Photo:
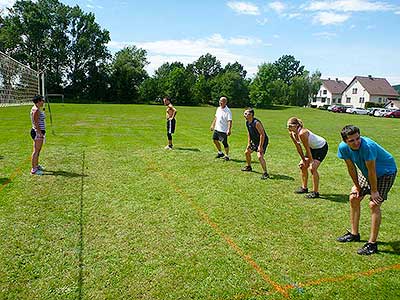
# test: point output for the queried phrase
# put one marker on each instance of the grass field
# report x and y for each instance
(118, 217)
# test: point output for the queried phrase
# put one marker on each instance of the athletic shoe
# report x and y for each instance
(265, 176)
(36, 172)
(168, 147)
(247, 169)
(312, 195)
(226, 158)
(301, 190)
(349, 237)
(368, 249)
(41, 168)
(219, 155)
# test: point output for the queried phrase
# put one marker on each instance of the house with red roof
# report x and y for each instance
(368, 89)
(329, 93)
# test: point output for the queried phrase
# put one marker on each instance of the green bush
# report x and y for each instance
(373, 104)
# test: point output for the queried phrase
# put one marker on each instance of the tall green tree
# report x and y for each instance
(207, 65)
(288, 67)
(128, 73)
(231, 85)
(201, 90)
(262, 85)
(87, 50)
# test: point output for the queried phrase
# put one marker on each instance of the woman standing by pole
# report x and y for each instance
(38, 132)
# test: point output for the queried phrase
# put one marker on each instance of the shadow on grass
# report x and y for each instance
(187, 149)
(395, 245)
(280, 177)
(335, 197)
(1, 156)
(62, 173)
(238, 160)
(4, 181)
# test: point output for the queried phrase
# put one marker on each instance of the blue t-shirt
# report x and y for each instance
(369, 150)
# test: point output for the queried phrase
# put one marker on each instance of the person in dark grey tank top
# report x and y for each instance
(257, 141)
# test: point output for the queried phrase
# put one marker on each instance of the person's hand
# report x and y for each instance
(260, 150)
(356, 191)
(229, 132)
(212, 128)
(376, 198)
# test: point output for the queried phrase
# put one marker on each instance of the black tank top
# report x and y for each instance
(254, 135)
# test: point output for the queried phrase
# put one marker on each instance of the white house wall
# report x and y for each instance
(355, 98)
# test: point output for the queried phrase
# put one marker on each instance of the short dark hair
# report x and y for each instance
(349, 130)
(37, 98)
(168, 98)
(250, 110)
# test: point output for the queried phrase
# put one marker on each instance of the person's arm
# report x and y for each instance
(304, 139)
(296, 142)
(373, 181)
(39, 134)
(352, 170)
(213, 124)
(229, 127)
(261, 132)
(173, 112)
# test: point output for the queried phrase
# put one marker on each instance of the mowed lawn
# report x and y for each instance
(118, 217)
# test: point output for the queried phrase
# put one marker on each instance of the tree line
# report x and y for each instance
(71, 48)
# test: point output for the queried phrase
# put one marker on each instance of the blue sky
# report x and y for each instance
(340, 38)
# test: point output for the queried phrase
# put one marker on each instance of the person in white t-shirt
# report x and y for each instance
(222, 126)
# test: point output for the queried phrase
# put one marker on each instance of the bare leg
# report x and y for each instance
(315, 174)
(304, 176)
(262, 161)
(217, 144)
(248, 157)
(376, 218)
(354, 211)
(37, 146)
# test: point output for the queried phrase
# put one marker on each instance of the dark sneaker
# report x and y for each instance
(368, 249)
(301, 190)
(349, 237)
(226, 158)
(265, 176)
(219, 155)
(247, 169)
(312, 195)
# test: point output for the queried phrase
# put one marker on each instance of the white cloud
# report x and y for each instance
(329, 18)
(277, 6)
(262, 22)
(397, 12)
(187, 51)
(244, 8)
(325, 35)
(293, 15)
(350, 5)
(6, 4)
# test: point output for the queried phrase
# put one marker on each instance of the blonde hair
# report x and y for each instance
(295, 121)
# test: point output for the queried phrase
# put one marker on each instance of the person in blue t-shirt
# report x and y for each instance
(378, 172)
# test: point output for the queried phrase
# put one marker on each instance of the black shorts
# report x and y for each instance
(254, 147)
(320, 153)
(33, 133)
(221, 136)
(384, 183)
(171, 126)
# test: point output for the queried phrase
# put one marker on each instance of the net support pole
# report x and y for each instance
(42, 79)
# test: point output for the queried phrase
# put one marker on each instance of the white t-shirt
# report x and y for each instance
(223, 115)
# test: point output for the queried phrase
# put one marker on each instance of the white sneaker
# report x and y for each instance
(168, 147)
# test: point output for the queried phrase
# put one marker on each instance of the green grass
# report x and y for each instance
(119, 217)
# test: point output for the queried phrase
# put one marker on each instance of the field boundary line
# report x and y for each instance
(344, 277)
(12, 176)
(247, 258)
